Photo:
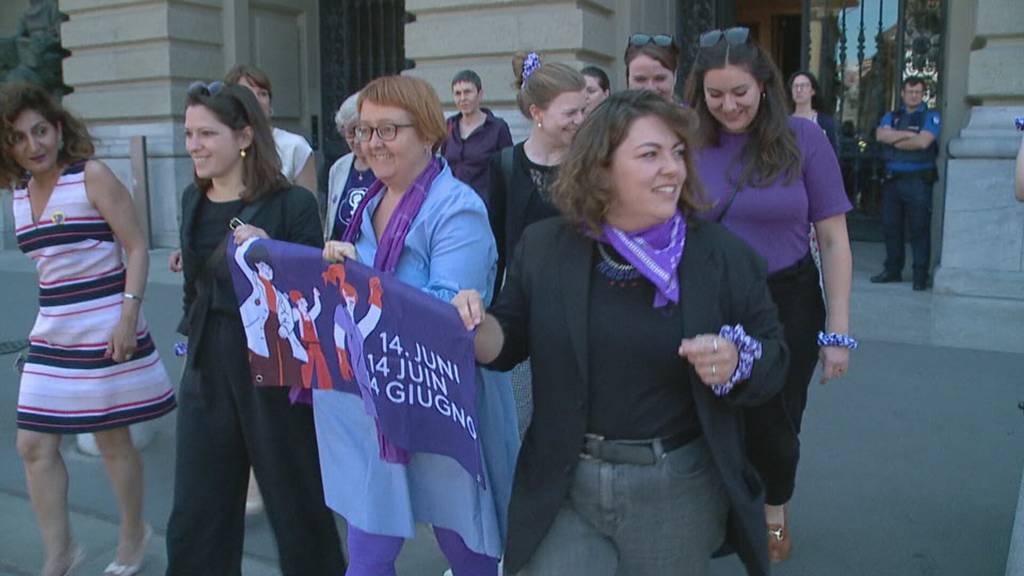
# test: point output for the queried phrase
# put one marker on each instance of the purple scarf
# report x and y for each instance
(655, 253)
(392, 242)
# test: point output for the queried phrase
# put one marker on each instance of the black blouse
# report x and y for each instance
(209, 231)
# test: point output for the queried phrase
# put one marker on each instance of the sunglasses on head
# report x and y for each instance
(204, 89)
(733, 36)
(663, 40)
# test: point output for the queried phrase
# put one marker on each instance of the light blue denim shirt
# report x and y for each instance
(449, 247)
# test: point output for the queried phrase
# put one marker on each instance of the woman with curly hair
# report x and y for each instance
(91, 366)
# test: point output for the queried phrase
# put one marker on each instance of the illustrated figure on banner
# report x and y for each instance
(316, 364)
(263, 329)
(349, 335)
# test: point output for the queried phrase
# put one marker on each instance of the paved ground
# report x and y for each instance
(911, 464)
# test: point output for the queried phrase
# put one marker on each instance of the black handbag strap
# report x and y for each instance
(246, 214)
(728, 203)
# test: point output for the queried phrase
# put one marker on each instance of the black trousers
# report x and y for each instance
(773, 429)
(224, 425)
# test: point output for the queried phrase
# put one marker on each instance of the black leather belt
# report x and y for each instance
(637, 452)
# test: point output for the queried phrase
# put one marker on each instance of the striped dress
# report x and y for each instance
(69, 385)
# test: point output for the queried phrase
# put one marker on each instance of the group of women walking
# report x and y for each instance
(639, 263)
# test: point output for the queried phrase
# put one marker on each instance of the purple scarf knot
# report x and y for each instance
(392, 242)
(655, 252)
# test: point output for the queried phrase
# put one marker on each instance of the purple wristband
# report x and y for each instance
(749, 350)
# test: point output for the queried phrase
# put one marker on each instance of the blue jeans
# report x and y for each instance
(629, 520)
(912, 198)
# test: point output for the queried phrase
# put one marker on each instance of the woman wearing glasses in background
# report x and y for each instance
(770, 177)
(350, 176)
(225, 423)
(651, 63)
(806, 100)
(430, 230)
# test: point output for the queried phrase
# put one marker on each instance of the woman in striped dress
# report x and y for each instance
(92, 366)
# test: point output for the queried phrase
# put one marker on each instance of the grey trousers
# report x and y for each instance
(626, 520)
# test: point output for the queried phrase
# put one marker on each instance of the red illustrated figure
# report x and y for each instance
(311, 340)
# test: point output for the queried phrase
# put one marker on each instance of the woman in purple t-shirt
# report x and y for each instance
(769, 177)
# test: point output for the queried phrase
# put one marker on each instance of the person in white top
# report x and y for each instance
(297, 162)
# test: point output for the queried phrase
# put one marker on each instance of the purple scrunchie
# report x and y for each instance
(749, 350)
(530, 65)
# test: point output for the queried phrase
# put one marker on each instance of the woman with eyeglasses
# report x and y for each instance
(91, 364)
(552, 97)
(648, 331)
(350, 176)
(430, 230)
(225, 423)
(770, 177)
(807, 103)
(651, 64)
(598, 87)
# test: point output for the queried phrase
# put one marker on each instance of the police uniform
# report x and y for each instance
(908, 191)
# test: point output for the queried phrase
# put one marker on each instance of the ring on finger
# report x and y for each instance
(714, 370)
(714, 344)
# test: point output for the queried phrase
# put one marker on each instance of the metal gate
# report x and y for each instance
(861, 52)
(359, 40)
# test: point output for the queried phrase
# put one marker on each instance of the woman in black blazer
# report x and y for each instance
(225, 424)
(634, 462)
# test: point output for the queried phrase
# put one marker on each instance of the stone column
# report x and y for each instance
(130, 65)
(982, 250)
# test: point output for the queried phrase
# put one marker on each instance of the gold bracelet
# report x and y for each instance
(130, 296)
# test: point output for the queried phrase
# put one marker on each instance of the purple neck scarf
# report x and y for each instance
(655, 253)
(392, 241)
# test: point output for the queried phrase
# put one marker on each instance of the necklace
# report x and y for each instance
(614, 270)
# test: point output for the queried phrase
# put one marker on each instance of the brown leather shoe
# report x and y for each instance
(779, 542)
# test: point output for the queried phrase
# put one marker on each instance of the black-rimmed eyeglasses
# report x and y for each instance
(663, 40)
(204, 89)
(733, 36)
(386, 132)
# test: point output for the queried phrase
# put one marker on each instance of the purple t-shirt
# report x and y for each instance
(775, 220)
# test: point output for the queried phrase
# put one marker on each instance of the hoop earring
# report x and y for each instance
(242, 153)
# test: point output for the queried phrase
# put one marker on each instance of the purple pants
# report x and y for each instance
(374, 555)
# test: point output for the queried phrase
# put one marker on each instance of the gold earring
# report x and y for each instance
(242, 153)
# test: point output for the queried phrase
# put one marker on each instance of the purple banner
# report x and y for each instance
(350, 328)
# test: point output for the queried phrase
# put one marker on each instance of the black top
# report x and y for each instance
(638, 386)
(290, 214)
(208, 232)
(519, 197)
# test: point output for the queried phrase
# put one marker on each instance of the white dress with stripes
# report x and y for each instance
(69, 385)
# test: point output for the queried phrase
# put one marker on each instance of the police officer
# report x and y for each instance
(909, 142)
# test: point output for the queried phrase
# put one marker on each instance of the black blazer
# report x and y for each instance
(543, 311)
(291, 215)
